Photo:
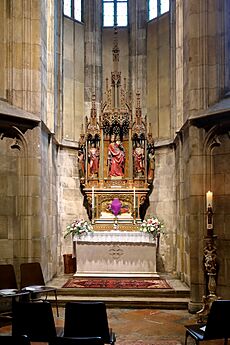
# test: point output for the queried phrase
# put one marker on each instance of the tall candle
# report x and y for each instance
(134, 197)
(92, 197)
(209, 198)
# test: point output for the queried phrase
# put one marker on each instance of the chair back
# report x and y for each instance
(217, 326)
(7, 277)
(77, 341)
(31, 274)
(86, 319)
(34, 319)
(14, 340)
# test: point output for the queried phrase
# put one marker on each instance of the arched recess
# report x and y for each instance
(217, 179)
(14, 205)
(211, 142)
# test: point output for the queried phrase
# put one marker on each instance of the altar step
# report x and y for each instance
(132, 300)
(177, 297)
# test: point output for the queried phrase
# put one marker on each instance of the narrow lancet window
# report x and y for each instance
(157, 7)
(115, 12)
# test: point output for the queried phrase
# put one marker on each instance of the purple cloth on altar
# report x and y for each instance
(116, 206)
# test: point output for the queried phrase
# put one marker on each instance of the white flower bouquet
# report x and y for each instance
(78, 227)
(152, 226)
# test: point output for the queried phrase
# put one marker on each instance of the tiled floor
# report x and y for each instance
(148, 325)
(141, 326)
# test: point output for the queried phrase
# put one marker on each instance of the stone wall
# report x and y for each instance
(70, 199)
(138, 51)
(73, 82)
(21, 53)
(162, 205)
(48, 236)
(202, 163)
(20, 197)
(220, 184)
(31, 95)
(29, 199)
(10, 223)
(93, 53)
(190, 209)
(158, 77)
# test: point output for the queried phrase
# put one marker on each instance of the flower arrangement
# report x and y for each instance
(152, 226)
(78, 227)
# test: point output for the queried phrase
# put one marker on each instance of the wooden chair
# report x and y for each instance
(77, 341)
(87, 319)
(32, 280)
(35, 319)
(14, 340)
(217, 326)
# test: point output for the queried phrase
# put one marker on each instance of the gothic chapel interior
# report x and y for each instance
(75, 88)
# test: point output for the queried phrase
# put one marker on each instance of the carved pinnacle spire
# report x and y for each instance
(93, 101)
(93, 109)
(138, 99)
(116, 49)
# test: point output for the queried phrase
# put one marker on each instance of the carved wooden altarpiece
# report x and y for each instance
(116, 156)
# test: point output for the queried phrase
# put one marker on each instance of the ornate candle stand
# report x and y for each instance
(210, 268)
(115, 224)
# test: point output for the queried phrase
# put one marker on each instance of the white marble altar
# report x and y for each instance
(115, 254)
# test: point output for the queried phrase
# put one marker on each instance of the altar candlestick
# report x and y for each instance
(134, 198)
(209, 199)
(92, 197)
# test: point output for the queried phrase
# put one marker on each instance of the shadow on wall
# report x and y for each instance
(160, 267)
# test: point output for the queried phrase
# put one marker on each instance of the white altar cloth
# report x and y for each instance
(116, 236)
(115, 253)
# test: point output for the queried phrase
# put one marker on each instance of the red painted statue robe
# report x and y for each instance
(116, 159)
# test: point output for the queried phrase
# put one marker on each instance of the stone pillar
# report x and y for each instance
(138, 50)
(177, 51)
(3, 50)
(227, 44)
(93, 53)
(22, 71)
(199, 34)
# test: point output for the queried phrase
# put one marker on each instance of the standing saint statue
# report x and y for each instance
(116, 158)
(81, 164)
(151, 164)
(93, 160)
(139, 160)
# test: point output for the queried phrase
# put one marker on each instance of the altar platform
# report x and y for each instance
(115, 254)
(175, 298)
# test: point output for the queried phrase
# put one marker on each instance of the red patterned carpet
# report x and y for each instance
(116, 283)
(156, 342)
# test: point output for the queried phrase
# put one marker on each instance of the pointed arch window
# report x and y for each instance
(115, 12)
(157, 7)
(73, 9)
